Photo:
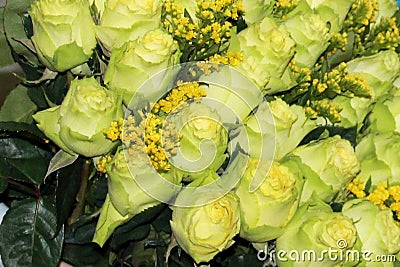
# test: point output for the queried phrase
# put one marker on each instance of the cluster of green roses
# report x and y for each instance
(273, 187)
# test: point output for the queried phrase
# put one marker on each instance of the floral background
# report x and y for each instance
(208, 133)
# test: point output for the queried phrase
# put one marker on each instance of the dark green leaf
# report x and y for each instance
(82, 231)
(127, 231)
(15, 153)
(56, 89)
(5, 51)
(161, 223)
(68, 182)
(37, 95)
(28, 235)
(84, 255)
(14, 128)
(14, 17)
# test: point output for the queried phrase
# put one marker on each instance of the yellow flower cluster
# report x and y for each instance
(229, 58)
(338, 41)
(359, 18)
(361, 14)
(384, 35)
(324, 108)
(115, 131)
(383, 196)
(101, 164)
(151, 136)
(208, 9)
(339, 82)
(211, 27)
(178, 95)
(357, 188)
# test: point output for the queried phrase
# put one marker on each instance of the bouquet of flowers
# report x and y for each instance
(201, 133)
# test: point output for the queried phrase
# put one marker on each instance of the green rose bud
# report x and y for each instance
(314, 232)
(86, 111)
(266, 211)
(124, 21)
(274, 124)
(204, 140)
(267, 49)
(63, 33)
(331, 11)
(257, 10)
(379, 70)
(136, 61)
(379, 233)
(379, 157)
(311, 35)
(207, 228)
(328, 166)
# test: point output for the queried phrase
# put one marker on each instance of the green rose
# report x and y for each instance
(63, 33)
(234, 97)
(385, 116)
(311, 35)
(207, 228)
(77, 124)
(273, 125)
(379, 157)
(136, 61)
(328, 165)
(331, 11)
(127, 197)
(266, 211)
(204, 140)
(255, 11)
(124, 21)
(314, 231)
(267, 49)
(379, 233)
(379, 70)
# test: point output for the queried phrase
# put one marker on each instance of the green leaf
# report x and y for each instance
(68, 183)
(82, 231)
(127, 232)
(21, 129)
(28, 235)
(23, 161)
(60, 160)
(5, 51)
(18, 106)
(15, 14)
